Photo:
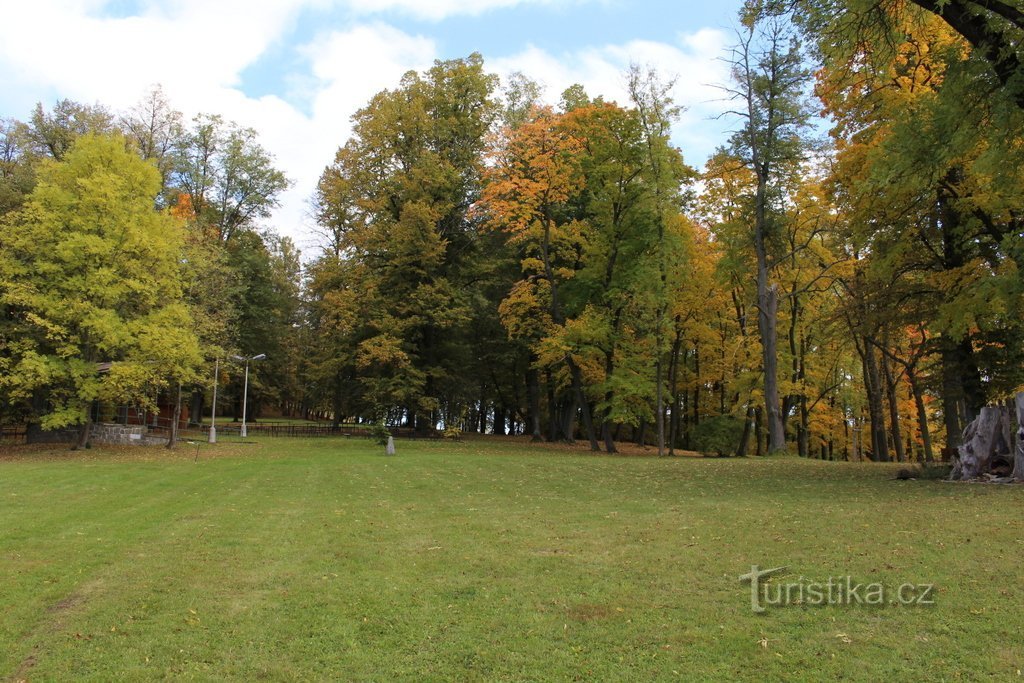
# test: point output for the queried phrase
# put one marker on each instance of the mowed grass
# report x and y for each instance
(488, 560)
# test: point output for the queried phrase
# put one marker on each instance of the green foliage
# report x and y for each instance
(379, 434)
(403, 247)
(90, 274)
(53, 133)
(720, 435)
(228, 177)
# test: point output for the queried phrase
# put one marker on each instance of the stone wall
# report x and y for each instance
(125, 435)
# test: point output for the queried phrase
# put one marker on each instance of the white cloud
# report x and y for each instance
(199, 50)
(435, 10)
(692, 62)
(187, 47)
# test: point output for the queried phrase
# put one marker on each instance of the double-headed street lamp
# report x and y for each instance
(245, 391)
(213, 411)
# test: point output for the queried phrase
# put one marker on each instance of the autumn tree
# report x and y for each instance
(928, 171)
(992, 28)
(91, 273)
(226, 176)
(769, 84)
(155, 129)
(397, 198)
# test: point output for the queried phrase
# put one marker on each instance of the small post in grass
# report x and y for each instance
(390, 448)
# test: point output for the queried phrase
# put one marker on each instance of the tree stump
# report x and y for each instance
(979, 442)
(987, 449)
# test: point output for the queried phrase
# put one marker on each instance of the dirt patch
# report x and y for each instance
(587, 612)
(20, 676)
(68, 603)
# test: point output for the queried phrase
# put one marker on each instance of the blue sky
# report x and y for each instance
(296, 70)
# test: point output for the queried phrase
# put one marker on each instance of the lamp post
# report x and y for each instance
(245, 391)
(213, 411)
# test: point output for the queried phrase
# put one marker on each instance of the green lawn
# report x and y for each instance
(322, 559)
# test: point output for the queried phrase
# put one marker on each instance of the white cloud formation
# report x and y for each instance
(692, 63)
(199, 50)
(185, 46)
(437, 10)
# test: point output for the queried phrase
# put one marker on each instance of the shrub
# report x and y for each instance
(718, 435)
(380, 433)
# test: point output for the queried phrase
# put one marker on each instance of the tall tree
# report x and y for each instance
(155, 128)
(92, 272)
(398, 198)
(228, 178)
(770, 80)
(52, 133)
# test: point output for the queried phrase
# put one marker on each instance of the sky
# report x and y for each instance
(296, 70)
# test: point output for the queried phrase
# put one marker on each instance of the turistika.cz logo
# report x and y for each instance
(837, 590)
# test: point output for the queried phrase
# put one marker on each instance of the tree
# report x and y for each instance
(91, 273)
(228, 177)
(52, 134)
(769, 83)
(535, 174)
(927, 171)
(397, 202)
(993, 28)
(155, 129)
(17, 166)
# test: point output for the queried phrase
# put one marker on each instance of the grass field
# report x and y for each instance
(489, 560)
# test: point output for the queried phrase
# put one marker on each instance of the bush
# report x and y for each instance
(718, 435)
(452, 433)
(380, 433)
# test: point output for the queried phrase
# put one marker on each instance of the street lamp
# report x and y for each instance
(245, 391)
(213, 411)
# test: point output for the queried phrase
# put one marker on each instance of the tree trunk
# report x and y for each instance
(922, 415)
(533, 398)
(568, 424)
(673, 379)
(552, 407)
(659, 404)
(83, 434)
(803, 438)
(696, 387)
(767, 319)
(195, 414)
(876, 411)
(1018, 459)
(173, 438)
(894, 409)
(748, 423)
(609, 441)
(577, 380)
(758, 418)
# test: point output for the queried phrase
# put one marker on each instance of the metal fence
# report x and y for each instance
(13, 434)
(201, 432)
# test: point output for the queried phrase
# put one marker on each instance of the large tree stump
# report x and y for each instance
(980, 440)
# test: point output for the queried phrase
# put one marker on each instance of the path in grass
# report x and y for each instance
(491, 561)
